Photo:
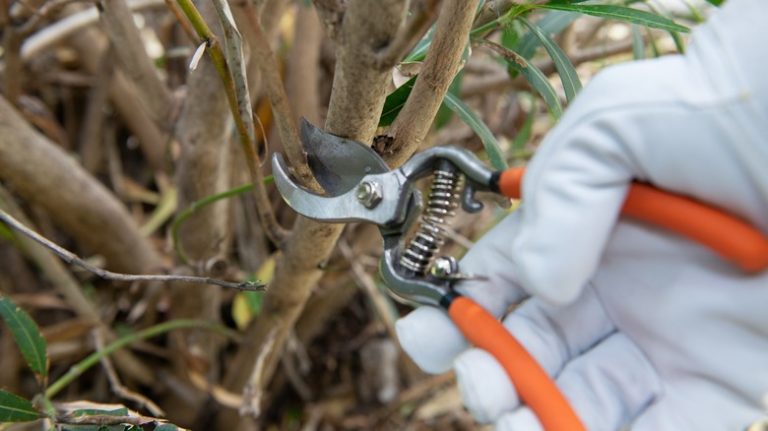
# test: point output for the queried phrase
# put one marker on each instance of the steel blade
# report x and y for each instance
(345, 207)
(338, 163)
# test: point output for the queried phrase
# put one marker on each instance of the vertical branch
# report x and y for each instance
(118, 24)
(91, 46)
(442, 62)
(204, 132)
(286, 123)
(263, 205)
(359, 92)
(303, 65)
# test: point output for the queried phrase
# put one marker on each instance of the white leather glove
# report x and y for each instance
(639, 326)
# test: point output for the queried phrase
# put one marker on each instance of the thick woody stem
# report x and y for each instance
(263, 206)
(442, 62)
(302, 81)
(357, 100)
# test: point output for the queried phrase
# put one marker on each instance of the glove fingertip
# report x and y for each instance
(429, 337)
(484, 386)
(521, 419)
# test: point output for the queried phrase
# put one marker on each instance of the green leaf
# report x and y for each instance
(510, 36)
(495, 155)
(522, 137)
(101, 412)
(395, 101)
(444, 114)
(638, 45)
(620, 13)
(568, 75)
(419, 52)
(715, 2)
(551, 23)
(14, 408)
(539, 82)
(27, 336)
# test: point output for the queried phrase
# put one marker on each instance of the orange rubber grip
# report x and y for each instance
(732, 238)
(535, 388)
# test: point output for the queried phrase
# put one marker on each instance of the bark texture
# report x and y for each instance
(43, 174)
(358, 97)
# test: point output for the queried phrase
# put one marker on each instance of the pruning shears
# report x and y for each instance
(360, 187)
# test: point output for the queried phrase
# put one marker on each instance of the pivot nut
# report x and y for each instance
(369, 194)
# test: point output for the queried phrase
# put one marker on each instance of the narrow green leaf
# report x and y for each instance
(510, 36)
(14, 408)
(638, 45)
(678, 41)
(539, 82)
(27, 336)
(444, 114)
(495, 155)
(568, 75)
(715, 2)
(123, 411)
(620, 13)
(395, 101)
(522, 137)
(552, 22)
(419, 52)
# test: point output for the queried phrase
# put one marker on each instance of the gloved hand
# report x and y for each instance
(638, 326)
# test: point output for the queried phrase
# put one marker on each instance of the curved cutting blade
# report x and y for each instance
(346, 207)
(337, 163)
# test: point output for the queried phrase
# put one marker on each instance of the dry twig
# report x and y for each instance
(73, 259)
(117, 387)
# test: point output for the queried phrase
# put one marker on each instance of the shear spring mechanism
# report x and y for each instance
(442, 202)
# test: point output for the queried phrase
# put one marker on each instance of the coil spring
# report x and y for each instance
(441, 204)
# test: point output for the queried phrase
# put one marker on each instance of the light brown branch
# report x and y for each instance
(440, 66)
(331, 12)
(303, 78)
(90, 46)
(73, 259)
(357, 100)
(76, 202)
(266, 215)
(418, 24)
(117, 23)
(281, 109)
(204, 130)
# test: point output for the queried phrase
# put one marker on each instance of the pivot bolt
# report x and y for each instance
(445, 267)
(369, 194)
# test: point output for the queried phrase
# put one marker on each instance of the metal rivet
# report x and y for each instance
(369, 194)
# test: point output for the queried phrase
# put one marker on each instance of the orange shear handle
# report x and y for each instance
(535, 388)
(730, 237)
